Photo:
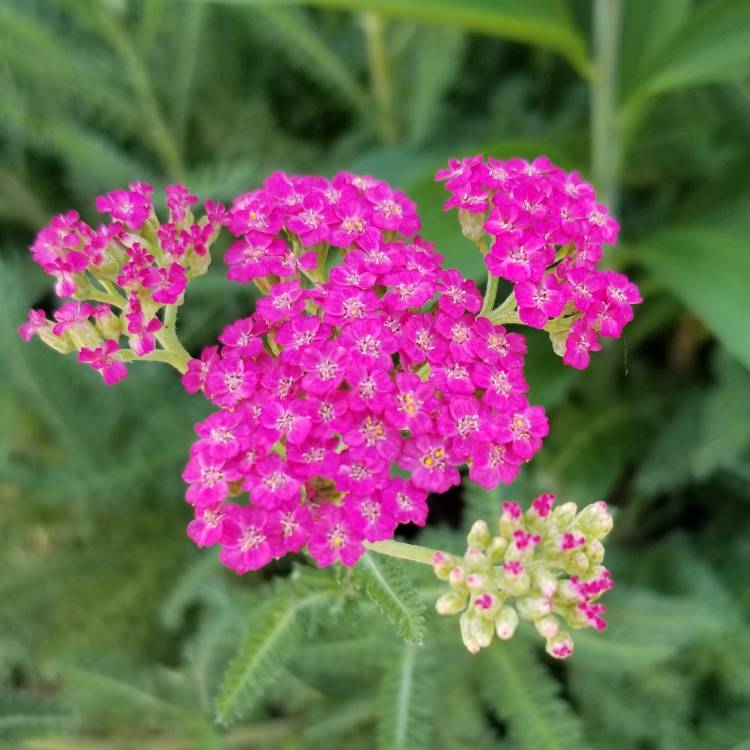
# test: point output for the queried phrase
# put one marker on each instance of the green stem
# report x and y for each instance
(506, 312)
(403, 551)
(489, 295)
(605, 136)
(174, 352)
(380, 79)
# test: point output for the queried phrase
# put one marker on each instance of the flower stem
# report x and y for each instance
(174, 353)
(403, 551)
(489, 296)
(380, 79)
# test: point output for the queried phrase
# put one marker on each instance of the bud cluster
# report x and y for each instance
(123, 278)
(544, 565)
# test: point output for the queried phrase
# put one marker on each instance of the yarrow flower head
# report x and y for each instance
(333, 386)
(135, 267)
(547, 234)
(543, 565)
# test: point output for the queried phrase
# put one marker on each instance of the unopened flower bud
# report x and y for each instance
(506, 623)
(487, 605)
(443, 564)
(544, 581)
(510, 519)
(63, 344)
(533, 607)
(595, 551)
(595, 520)
(472, 224)
(560, 646)
(547, 626)
(476, 632)
(577, 564)
(563, 515)
(567, 592)
(496, 550)
(475, 559)
(451, 603)
(479, 536)
(513, 579)
(476, 581)
(457, 578)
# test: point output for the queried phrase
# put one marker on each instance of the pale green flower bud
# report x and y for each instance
(506, 623)
(595, 551)
(457, 578)
(547, 626)
(595, 520)
(496, 550)
(563, 515)
(487, 605)
(472, 224)
(544, 581)
(63, 344)
(533, 607)
(443, 564)
(451, 603)
(477, 582)
(479, 536)
(476, 632)
(577, 564)
(560, 646)
(475, 559)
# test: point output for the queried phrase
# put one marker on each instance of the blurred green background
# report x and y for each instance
(115, 631)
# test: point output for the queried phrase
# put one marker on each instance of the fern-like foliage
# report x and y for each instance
(274, 636)
(522, 692)
(385, 581)
(407, 700)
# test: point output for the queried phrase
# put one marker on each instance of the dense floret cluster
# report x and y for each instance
(133, 268)
(547, 235)
(328, 390)
(544, 565)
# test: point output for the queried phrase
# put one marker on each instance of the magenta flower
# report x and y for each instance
(334, 537)
(538, 302)
(369, 518)
(130, 207)
(168, 283)
(207, 526)
(197, 369)
(405, 502)
(103, 358)
(179, 200)
(208, 477)
(580, 342)
(247, 541)
(426, 456)
(493, 462)
(71, 315)
(35, 323)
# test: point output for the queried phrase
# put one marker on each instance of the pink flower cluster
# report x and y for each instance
(548, 232)
(134, 266)
(327, 390)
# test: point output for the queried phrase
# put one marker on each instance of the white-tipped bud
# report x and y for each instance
(457, 578)
(109, 325)
(496, 550)
(560, 646)
(595, 520)
(479, 536)
(544, 581)
(595, 552)
(476, 632)
(506, 623)
(477, 582)
(513, 583)
(443, 564)
(533, 607)
(577, 564)
(472, 224)
(475, 559)
(451, 603)
(563, 515)
(567, 592)
(547, 626)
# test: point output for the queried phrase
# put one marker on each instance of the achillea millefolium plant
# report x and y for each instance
(366, 379)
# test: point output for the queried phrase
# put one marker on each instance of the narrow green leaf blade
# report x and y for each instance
(269, 645)
(407, 701)
(386, 583)
(546, 23)
(713, 45)
(708, 269)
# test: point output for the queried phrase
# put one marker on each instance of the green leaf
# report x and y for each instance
(271, 642)
(707, 268)
(522, 692)
(386, 583)
(407, 701)
(713, 45)
(546, 23)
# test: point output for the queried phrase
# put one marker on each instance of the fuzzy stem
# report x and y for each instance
(489, 295)
(403, 551)
(380, 79)
(605, 136)
(174, 352)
